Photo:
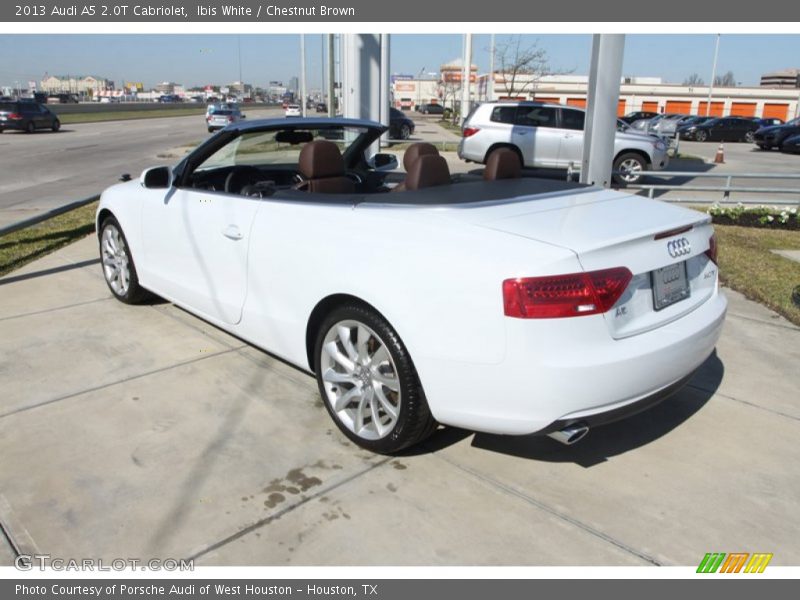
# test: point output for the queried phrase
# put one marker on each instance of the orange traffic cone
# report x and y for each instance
(720, 157)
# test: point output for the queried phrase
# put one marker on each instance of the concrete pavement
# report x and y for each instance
(144, 432)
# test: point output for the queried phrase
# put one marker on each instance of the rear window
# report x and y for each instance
(8, 107)
(504, 114)
(536, 116)
(223, 112)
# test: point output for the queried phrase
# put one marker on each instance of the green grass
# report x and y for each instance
(22, 247)
(747, 266)
(124, 115)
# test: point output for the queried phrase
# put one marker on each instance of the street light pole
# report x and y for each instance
(713, 76)
(466, 76)
(490, 83)
(303, 74)
(419, 86)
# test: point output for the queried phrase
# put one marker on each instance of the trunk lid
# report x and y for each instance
(610, 229)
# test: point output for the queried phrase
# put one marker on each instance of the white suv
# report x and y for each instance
(551, 136)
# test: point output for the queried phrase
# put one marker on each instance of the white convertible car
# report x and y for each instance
(494, 303)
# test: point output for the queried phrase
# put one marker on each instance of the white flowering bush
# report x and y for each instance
(778, 217)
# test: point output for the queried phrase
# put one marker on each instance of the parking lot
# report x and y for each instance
(143, 432)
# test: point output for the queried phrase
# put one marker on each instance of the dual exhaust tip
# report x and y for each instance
(571, 434)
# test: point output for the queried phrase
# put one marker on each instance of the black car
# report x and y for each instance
(774, 137)
(27, 116)
(791, 144)
(768, 121)
(637, 116)
(726, 129)
(400, 126)
(321, 107)
(431, 109)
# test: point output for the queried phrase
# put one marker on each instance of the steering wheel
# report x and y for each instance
(241, 176)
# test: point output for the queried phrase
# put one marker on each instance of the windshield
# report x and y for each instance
(280, 147)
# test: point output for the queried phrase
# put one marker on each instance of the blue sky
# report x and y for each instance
(201, 59)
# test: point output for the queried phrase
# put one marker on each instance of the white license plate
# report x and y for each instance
(670, 285)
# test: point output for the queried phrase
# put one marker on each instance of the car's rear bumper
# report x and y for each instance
(561, 371)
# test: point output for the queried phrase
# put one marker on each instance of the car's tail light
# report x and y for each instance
(711, 253)
(15, 116)
(470, 131)
(572, 295)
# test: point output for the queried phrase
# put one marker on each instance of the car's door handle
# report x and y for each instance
(519, 132)
(232, 232)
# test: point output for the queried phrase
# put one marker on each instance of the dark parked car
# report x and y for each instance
(726, 129)
(431, 109)
(775, 136)
(27, 116)
(638, 116)
(768, 121)
(322, 107)
(400, 126)
(791, 144)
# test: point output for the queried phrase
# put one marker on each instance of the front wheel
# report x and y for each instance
(118, 267)
(368, 382)
(628, 168)
(56, 125)
(405, 132)
(30, 127)
(749, 137)
(701, 136)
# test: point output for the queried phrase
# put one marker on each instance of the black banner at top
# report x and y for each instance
(377, 11)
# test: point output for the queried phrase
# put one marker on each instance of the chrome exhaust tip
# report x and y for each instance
(571, 434)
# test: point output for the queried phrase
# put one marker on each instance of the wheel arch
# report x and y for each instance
(322, 309)
(641, 153)
(508, 145)
(102, 216)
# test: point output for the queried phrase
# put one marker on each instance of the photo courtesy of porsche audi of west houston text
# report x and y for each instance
(491, 302)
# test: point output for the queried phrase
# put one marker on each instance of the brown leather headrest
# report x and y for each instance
(319, 159)
(427, 171)
(503, 163)
(416, 150)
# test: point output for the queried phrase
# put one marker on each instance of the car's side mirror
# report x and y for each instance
(383, 162)
(156, 178)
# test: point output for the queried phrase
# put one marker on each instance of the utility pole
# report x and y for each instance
(490, 87)
(713, 76)
(303, 74)
(331, 78)
(465, 77)
(385, 84)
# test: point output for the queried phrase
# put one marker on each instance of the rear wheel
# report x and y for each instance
(405, 132)
(749, 137)
(118, 267)
(56, 125)
(368, 382)
(701, 136)
(763, 147)
(30, 127)
(629, 167)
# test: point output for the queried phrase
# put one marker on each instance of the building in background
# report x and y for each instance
(169, 88)
(787, 78)
(81, 85)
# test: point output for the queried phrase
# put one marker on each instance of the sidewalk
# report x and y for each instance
(144, 432)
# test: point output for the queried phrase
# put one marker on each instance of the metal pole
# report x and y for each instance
(490, 90)
(239, 44)
(465, 77)
(331, 77)
(303, 74)
(601, 114)
(322, 65)
(419, 86)
(385, 83)
(713, 76)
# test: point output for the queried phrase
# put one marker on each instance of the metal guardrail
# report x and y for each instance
(48, 215)
(727, 189)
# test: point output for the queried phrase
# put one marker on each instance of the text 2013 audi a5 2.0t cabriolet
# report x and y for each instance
(494, 303)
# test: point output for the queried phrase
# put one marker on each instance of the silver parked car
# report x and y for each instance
(551, 136)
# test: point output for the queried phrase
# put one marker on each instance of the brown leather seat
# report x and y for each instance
(322, 165)
(503, 163)
(427, 171)
(413, 152)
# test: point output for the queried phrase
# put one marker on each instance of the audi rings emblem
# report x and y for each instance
(678, 248)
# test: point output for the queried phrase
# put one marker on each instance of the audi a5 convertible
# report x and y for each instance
(490, 301)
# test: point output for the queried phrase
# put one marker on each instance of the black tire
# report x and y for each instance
(30, 127)
(134, 293)
(749, 137)
(56, 125)
(625, 161)
(763, 147)
(210, 130)
(701, 136)
(405, 132)
(414, 421)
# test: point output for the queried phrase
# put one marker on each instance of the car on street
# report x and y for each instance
(494, 303)
(551, 136)
(27, 116)
(638, 115)
(774, 136)
(725, 129)
(223, 117)
(321, 107)
(293, 110)
(768, 121)
(431, 109)
(400, 126)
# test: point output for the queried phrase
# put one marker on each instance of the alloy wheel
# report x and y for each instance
(116, 267)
